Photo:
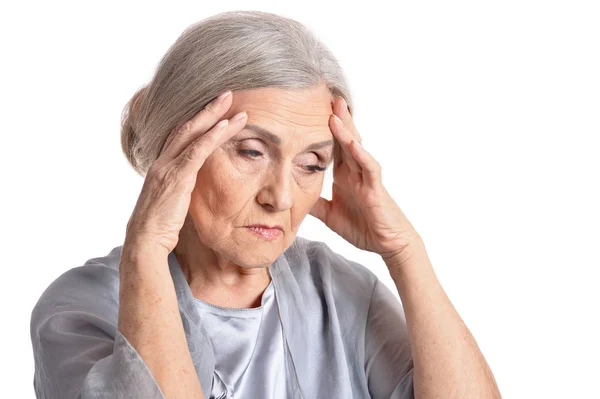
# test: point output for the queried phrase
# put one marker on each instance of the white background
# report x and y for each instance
(484, 115)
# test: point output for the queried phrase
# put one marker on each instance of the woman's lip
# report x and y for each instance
(262, 226)
(269, 234)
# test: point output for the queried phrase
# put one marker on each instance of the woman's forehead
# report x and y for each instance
(309, 102)
(277, 114)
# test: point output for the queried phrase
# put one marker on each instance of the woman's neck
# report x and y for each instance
(217, 280)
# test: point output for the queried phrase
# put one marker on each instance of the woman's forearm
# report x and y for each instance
(149, 318)
(447, 360)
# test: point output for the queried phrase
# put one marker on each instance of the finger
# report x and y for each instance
(344, 138)
(320, 209)
(194, 156)
(340, 108)
(371, 169)
(181, 138)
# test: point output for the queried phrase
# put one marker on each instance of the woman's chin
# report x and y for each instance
(257, 256)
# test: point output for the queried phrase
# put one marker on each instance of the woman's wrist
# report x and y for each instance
(403, 255)
(138, 249)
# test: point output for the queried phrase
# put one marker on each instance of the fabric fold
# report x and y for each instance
(337, 320)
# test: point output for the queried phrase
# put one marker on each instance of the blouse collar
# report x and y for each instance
(291, 307)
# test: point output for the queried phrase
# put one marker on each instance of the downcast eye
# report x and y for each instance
(310, 168)
(252, 153)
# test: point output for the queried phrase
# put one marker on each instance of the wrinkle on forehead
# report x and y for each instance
(294, 109)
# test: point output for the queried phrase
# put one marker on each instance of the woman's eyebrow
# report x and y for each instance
(267, 135)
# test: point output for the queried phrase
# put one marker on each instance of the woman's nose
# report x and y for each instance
(276, 192)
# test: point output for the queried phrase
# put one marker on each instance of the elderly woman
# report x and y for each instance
(212, 294)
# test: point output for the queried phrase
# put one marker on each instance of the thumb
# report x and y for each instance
(320, 209)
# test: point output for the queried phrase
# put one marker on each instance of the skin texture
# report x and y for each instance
(225, 264)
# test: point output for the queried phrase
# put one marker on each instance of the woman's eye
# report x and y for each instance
(251, 153)
(315, 168)
(256, 154)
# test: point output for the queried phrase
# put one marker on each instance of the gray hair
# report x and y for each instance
(235, 50)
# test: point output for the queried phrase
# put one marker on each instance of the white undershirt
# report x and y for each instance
(249, 349)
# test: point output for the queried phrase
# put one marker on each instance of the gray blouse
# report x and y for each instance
(249, 349)
(343, 331)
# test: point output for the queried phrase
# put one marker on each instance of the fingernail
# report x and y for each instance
(337, 119)
(223, 96)
(240, 116)
(222, 123)
(344, 102)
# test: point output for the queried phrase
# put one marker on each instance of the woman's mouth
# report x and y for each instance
(268, 234)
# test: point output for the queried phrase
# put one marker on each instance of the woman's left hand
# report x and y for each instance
(361, 210)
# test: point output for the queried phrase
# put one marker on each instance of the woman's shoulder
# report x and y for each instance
(92, 287)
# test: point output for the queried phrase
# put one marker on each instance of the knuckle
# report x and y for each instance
(187, 127)
(170, 176)
(187, 157)
(200, 148)
(171, 179)
(195, 150)
(159, 173)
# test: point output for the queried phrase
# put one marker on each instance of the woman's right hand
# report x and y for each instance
(165, 198)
